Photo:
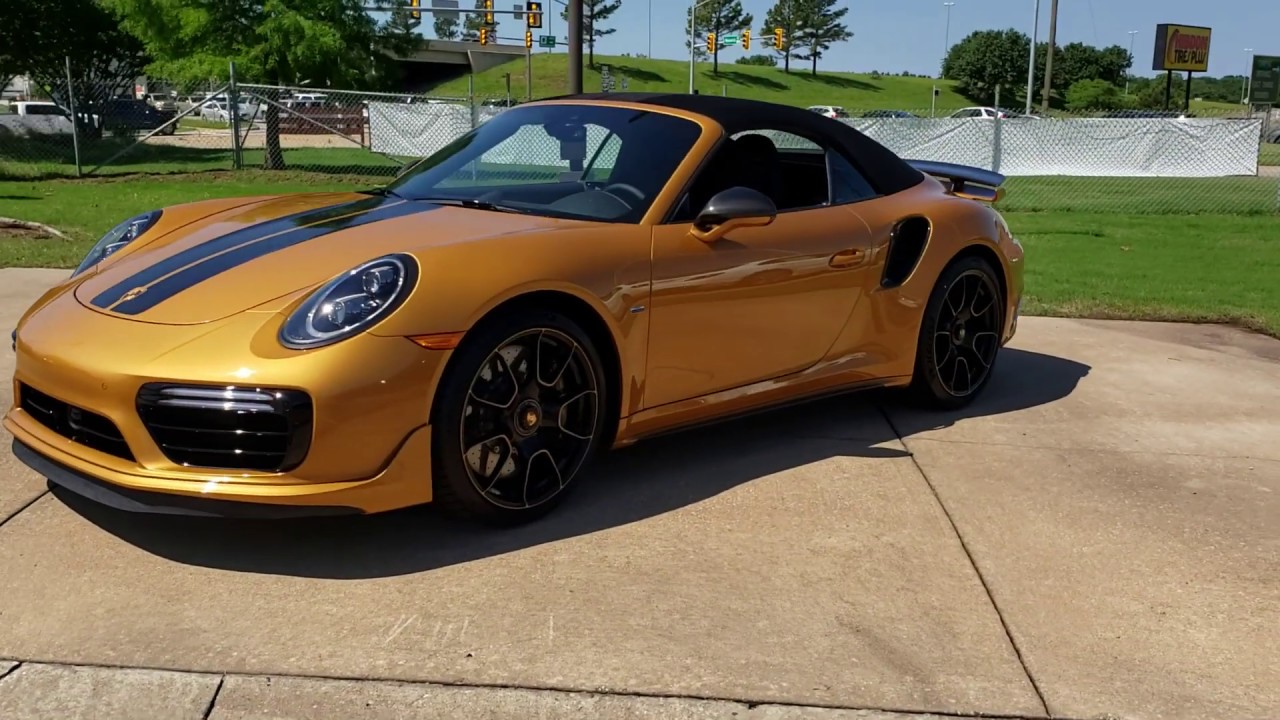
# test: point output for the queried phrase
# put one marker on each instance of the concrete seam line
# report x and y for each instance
(20, 510)
(561, 690)
(10, 671)
(1115, 451)
(973, 563)
(213, 699)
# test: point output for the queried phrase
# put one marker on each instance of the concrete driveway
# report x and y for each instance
(1099, 536)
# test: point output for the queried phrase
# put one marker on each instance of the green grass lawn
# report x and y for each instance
(798, 87)
(55, 157)
(1210, 268)
(1270, 154)
(1144, 195)
(1103, 253)
(196, 122)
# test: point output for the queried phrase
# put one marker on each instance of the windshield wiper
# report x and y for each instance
(474, 204)
(382, 192)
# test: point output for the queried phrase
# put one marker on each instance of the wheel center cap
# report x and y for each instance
(528, 417)
(958, 333)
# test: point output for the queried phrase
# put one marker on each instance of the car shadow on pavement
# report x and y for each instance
(626, 486)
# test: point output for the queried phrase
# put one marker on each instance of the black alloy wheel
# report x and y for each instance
(960, 335)
(522, 413)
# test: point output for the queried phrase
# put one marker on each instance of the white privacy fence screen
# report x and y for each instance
(1088, 147)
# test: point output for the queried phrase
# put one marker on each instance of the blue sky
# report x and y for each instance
(897, 35)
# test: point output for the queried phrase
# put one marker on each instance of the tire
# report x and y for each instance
(495, 435)
(957, 349)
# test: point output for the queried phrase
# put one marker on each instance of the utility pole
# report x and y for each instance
(1031, 62)
(575, 47)
(1129, 72)
(1048, 58)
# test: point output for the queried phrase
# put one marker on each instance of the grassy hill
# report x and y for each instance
(799, 87)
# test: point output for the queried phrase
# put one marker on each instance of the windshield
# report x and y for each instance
(586, 162)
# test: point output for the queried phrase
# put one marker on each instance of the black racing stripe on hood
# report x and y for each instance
(202, 271)
(222, 243)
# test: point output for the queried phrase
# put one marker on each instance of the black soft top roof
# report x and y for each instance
(887, 172)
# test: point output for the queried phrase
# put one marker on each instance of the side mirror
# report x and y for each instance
(733, 208)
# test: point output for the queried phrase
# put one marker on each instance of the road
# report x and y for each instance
(1096, 537)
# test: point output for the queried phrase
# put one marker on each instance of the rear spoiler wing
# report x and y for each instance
(964, 181)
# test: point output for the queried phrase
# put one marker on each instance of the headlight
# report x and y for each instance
(117, 237)
(351, 302)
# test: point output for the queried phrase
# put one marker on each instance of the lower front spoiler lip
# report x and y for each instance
(139, 501)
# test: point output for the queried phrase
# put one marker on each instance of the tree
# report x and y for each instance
(1093, 95)
(471, 27)
(720, 17)
(105, 58)
(783, 15)
(333, 43)
(594, 15)
(446, 28)
(819, 27)
(986, 59)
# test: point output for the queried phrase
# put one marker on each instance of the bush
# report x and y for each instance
(1093, 95)
(757, 59)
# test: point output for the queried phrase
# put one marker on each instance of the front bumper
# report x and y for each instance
(370, 440)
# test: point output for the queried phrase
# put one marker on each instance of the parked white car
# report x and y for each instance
(831, 111)
(34, 117)
(990, 113)
(216, 111)
(27, 108)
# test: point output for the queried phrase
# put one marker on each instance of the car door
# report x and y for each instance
(760, 302)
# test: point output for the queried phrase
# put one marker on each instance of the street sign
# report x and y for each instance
(1264, 85)
(730, 39)
(445, 10)
(547, 41)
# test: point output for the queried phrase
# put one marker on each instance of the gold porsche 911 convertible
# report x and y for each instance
(573, 275)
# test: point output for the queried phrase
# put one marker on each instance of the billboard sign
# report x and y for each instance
(1182, 48)
(1264, 85)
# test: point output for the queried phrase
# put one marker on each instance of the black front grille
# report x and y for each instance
(231, 428)
(74, 423)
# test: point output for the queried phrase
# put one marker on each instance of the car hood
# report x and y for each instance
(249, 254)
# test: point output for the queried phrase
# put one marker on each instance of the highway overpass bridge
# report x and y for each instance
(438, 60)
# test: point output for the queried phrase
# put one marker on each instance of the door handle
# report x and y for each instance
(847, 258)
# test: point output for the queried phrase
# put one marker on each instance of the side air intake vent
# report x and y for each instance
(906, 246)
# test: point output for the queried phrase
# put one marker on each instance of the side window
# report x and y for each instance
(606, 158)
(847, 184)
(788, 168)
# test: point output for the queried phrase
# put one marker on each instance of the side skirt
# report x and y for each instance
(705, 411)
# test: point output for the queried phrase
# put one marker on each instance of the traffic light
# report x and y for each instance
(528, 39)
(484, 36)
(746, 39)
(711, 42)
(415, 13)
(533, 14)
(488, 12)
(777, 38)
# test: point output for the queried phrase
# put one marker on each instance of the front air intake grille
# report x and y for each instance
(74, 423)
(228, 428)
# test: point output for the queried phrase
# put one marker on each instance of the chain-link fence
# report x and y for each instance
(1223, 161)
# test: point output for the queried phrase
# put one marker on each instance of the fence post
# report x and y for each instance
(471, 99)
(995, 136)
(75, 121)
(528, 75)
(233, 114)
